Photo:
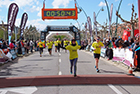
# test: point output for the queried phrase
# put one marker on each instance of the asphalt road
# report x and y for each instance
(58, 65)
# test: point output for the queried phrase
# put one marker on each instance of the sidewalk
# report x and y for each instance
(117, 64)
(6, 64)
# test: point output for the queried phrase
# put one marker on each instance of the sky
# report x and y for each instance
(33, 9)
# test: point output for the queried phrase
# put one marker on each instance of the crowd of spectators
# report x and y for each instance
(109, 43)
(17, 46)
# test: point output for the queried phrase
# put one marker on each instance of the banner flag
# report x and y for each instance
(89, 25)
(12, 14)
(86, 30)
(23, 23)
(95, 24)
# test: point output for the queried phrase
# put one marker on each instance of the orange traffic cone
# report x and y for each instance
(130, 71)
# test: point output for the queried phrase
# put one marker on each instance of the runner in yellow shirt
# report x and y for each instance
(65, 44)
(50, 44)
(56, 45)
(40, 44)
(59, 44)
(73, 55)
(96, 46)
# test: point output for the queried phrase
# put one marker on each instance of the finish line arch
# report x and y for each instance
(72, 29)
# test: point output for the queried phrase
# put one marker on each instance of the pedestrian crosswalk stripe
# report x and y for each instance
(114, 88)
(60, 73)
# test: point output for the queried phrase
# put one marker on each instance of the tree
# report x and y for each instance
(131, 22)
(104, 29)
(59, 36)
(4, 33)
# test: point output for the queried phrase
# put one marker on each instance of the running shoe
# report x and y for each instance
(95, 66)
(97, 70)
(75, 75)
(70, 71)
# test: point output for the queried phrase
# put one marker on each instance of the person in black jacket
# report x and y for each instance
(4, 46)
(109, 51)
(19, 47)
(137, 67)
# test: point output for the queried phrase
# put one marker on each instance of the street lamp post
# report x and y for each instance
(95, 18)
(78, 25)
(109, 16)
(117, 18)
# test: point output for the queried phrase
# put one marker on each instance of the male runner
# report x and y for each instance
(50, 44)
(40, 44)
(96, 46)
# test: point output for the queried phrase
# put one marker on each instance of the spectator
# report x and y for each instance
(6, 58)
(137, 64)
(135, 47)
(113, 41)
(117, 41)
(22, 43)
(11, 45)
(4, 46)
(19, 46)
(31, 45)
(25, 46)
(35, 45)
(109, 51)
(126, 44)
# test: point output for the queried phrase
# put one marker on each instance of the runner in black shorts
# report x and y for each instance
(50, 49)
(50, 44)
(96, 55)
(96, 46)
(40, 47)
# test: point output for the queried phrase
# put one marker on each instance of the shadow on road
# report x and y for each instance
(39, 60)
(106, 71)
(84, 62)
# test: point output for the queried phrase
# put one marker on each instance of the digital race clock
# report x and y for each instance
(60, 13)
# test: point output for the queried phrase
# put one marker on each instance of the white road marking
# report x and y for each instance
(114, 88)
(22, 90)
(59, 54)
(59, 60)
(60, 73)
